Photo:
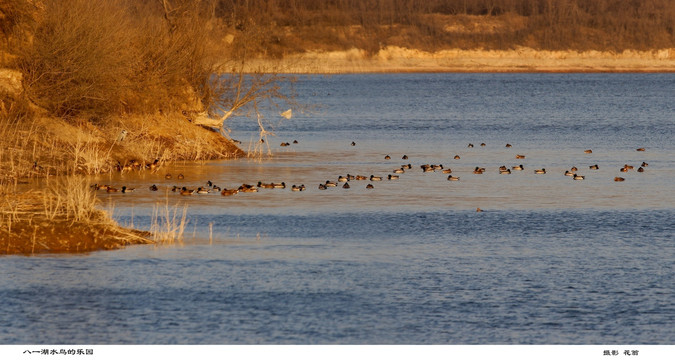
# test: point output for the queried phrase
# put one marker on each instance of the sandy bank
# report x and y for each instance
(396, 59)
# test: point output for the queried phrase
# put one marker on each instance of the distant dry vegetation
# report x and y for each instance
(289, 26)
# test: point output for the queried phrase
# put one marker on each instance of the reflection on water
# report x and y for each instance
(551, 260)
(414, 189)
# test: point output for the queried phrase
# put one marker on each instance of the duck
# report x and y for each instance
(342, 179)
(574, 168)
(629, 167)
(640, 169)
(229, 192)
(181, 176)
(285, 144)
(479, 210)
(478, 170)
(135, 164)
(588, 151)
(201, 190)
(644, 164)
(346, 186)
(404, 157)
(594, 167)
(111, 189)
(447, 171)
(456, 157)
(330, 183)
(569, 173)
(502, 168)
(437, 167)
(281, 185)
(393, 177)
(360, 177)
(578, 177)
(153, 187)
(215, 188)
(185, 191)
(640, 149)
(167, 176)
(398, 171)
(453, 178)
(540, 171)
(518, 156)
(175, 188)
(153, 165)
(260, 184)
(509, 145)
(428, 168)
(370, 186)
(482, 144)
(296, 188)
(387, 157)
(127, 190)
(353, 143)
(505, 171)
(101, 187)
(518, 167)
(295, 141)
(350, 177)
(322, 187)
(406, 166)
(624, 169)
(246, 188)
(619, 178)
(470, 145)
(375, 178)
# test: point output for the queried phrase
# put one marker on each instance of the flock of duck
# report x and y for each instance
(342, 180)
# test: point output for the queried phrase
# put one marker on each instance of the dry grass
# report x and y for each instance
(168, 224)
(46, 146)
(434, 25)
(62, 218)
(95, 58)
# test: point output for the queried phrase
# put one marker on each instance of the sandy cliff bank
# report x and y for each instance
(396, 59)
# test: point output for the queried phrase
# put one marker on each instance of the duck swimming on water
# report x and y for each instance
(229, 192)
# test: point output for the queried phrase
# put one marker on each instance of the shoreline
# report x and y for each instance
(521, 60)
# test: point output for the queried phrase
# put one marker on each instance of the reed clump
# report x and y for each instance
(168, 224)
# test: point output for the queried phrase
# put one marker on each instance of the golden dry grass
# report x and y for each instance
(64, 217)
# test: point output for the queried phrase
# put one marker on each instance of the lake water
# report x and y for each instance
(550, 260)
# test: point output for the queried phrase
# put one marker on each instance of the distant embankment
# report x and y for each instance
(396, 59)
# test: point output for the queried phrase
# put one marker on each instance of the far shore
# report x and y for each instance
(401, 60)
